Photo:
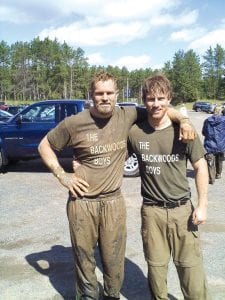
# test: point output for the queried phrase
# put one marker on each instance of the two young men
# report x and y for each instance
(169, 220)
(96, 208)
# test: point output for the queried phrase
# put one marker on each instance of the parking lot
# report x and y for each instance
(35, 253)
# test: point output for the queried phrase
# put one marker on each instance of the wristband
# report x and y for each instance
(58, 175)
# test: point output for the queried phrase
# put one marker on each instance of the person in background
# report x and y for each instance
(169, 219)
(213, 131)
(96, 209)
(223, 110)
(183, 110)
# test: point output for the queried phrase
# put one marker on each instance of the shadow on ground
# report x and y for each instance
(57, 264)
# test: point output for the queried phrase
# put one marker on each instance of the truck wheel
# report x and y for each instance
(2, 164)
(131, 168)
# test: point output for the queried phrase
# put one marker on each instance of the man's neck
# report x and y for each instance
(159, 124)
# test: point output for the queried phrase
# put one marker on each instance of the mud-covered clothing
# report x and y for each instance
(99, 144)
(99, 217)
(162, 159)
(101, 220)
(167, 209)
(214, 142)
(170, 232)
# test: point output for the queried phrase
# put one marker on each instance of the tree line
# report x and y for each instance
(51, 70)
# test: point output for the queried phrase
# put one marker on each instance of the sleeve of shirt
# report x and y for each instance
(195, 150)
(59, 137)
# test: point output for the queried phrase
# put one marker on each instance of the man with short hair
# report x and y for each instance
(96, 208)
(169, 220)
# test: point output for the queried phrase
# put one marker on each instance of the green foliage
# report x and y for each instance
(185, 75)
(214, 72)
(46, 69)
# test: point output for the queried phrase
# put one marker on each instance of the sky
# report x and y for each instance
(132, 33)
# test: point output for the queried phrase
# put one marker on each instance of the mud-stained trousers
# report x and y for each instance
(166, 232)
(100, 221)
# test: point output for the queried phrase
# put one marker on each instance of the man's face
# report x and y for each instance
(105, 97)
(157, 105)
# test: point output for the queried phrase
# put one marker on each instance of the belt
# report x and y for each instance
(169, 204)
(99, 196)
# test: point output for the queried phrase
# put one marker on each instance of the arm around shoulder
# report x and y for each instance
(187, 130)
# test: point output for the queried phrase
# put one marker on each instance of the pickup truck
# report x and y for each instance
(22, 133)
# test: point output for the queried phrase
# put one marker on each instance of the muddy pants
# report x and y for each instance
(99, 221)
(166, 232)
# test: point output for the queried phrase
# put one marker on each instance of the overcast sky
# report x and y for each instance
(132, 33)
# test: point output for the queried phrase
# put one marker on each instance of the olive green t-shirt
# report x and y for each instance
(99, 144)
(162, 159)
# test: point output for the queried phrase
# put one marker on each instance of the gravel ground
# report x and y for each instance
(35, 253)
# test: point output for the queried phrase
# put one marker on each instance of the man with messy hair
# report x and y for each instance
(169, 219)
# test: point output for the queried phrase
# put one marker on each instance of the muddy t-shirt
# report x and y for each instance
(99, 144)
(162, 161)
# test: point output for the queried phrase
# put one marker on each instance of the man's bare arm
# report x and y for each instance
(201, 181)
(187, 130)
(75, 185)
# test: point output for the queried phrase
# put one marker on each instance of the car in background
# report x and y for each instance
(131, 167)
(202, 106)
(22, 133)
(4, 115)
(14, 109)
(127, 104)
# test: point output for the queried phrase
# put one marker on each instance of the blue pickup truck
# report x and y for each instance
(21, 134)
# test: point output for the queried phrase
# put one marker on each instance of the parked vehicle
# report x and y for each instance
(4, 115)
(127, 103)
(14, 109)
(20, 136)
(201, 106)
(131, 167)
